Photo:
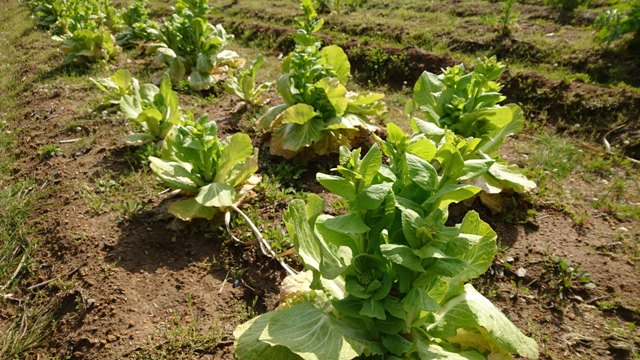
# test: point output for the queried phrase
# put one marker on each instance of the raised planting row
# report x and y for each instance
(389, 276)
(588, 110)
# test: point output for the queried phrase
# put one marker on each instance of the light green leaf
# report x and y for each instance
(336, 94)
(309, 333)
(337, 185)
(335, 57)
(248, 347)
(138, 139)
(423, 148)
(474, 168)
(350, 224)
(473, 313)
(432, 351)
(302, 236)
(370, 164)
(216, 195)
(510, 177)
(297, 114)
(270, 115)
(237, 148)
(421, 172)
(451, 194)
(189, 209)
(373, 196)
(294, 137)
(401, 255)
(175, 174)
(396, 344)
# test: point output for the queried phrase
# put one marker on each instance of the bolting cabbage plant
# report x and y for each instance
(192, 49)
(388, 279)
(468, 104)
(319, 114)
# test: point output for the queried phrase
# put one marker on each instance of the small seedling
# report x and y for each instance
(46, 152)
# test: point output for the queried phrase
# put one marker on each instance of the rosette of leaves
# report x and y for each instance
(137, 26)
(154, 110)
(319, 114)
(46, 13)
(391, 272)
(192, 49)
(244, 86)
(84, 31)
(613, 24)
(468, 103)
(116, 86)
(215, 174)
(88, 45)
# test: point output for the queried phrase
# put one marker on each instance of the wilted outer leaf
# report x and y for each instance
(189, 209)
(473, 312)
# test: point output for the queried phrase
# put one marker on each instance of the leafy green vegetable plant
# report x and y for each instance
(217, 172)
(215, 175)
(319, 114)
(193, 49)
(468, 103)
(244, 84)
(46, 13)
(386, 280)
(613, 24)
(116, 86)
(137, 26)
(84, 30)
(154, 110)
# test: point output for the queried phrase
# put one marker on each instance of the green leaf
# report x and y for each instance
(216, 195)
(370, 165)
(302, 236)
(418, 300)
(189, 209)
(336, 58)
(175, 174)
(451, 194)
(373, 196)
(473, 313)
(298, 114)
(248, 346)
(421, 172)
(309, 333)
(510, 177)
(337, 185)
(432, 351)
(349, 224)
(401, 255)
(474, 168)
(293, 137)
(336, 94)
(373, 309)
(396, 344)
